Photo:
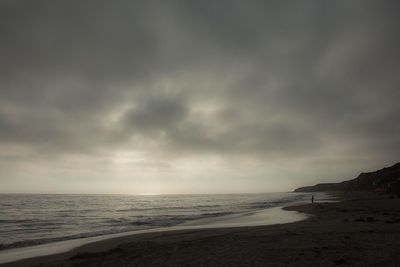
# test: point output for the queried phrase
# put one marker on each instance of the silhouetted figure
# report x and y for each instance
(312, 198)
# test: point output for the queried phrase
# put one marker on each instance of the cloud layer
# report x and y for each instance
(264, 95)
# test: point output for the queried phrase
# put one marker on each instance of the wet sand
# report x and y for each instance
(362, 230)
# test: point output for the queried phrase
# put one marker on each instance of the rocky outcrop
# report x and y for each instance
(386, 179)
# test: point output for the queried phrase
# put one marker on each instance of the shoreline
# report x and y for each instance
(66, 248)
(361, 230)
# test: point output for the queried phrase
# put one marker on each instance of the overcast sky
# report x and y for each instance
(196, 96)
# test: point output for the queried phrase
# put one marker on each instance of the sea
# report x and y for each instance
(34, 219)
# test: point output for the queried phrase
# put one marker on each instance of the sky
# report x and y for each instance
(172, 97)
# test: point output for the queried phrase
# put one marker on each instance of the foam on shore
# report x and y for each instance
(259, 218)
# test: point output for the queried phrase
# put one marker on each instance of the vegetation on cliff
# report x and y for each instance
(383, 180)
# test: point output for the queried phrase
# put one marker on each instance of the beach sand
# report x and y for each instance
(361, 230)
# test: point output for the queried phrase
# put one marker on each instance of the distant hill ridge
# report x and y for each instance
(384, 180)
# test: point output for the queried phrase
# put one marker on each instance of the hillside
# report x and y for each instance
(383, 180)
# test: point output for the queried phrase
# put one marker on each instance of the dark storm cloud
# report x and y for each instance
(258, 78)
(155, 113)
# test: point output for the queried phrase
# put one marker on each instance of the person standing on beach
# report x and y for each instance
(312, 198)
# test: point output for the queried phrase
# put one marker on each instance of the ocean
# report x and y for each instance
(33, 219)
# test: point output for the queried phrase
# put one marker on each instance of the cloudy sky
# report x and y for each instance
(195, 96)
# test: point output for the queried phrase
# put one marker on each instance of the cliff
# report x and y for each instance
(386, 179)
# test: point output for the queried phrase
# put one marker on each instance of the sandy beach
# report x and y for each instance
(361, 230)
(195, 133)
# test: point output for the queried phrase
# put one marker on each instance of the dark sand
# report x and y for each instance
(362, 230)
